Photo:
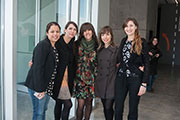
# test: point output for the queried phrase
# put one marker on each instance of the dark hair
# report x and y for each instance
(137, 42)
(48, 26)
(87, 26)
(71, 22)
(104, 30)
(151, 42)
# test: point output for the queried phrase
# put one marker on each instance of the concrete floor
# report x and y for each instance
(162, 104)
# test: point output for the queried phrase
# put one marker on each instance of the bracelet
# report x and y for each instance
(143, 86)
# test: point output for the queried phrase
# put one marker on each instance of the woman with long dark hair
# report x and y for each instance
(42, 69)
(155, 54)
(63, 85)
(86, 69)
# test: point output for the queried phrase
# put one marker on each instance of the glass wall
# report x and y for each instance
(1, 102)
(84, 11)
(32, 18)
(0, 67)
(26, 25)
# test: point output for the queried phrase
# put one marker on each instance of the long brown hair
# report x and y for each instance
(137, 42)
(104, 30)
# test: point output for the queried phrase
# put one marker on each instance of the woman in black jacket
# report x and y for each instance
(65, 72)
(42, 71)
(133, 71)
(155, 54)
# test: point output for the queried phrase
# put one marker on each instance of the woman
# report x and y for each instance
(65, 73)
(105, 80)
(41, 71)
(86, 62)
(133, 71)
(155, 54)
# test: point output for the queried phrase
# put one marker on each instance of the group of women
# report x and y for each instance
(87, 68)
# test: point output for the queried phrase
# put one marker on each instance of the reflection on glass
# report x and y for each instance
(25, 37)
(0, 67)
(62, 13)
(48, 10)
(84, 15)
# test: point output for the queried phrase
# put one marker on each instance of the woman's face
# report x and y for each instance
(130, 28)
(71, 31)
(88, 35)
(155, 41)
(106, 38)
(53, 33)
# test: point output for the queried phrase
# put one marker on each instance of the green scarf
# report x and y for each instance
(88, 46)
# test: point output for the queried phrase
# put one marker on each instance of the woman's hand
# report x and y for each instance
(150, 53)
(142, 89)
(141, 68)
(39, 95)
(30, 63)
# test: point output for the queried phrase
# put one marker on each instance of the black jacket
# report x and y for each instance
(153, 59)
(42, 68)
(66, 59)
(136, 60)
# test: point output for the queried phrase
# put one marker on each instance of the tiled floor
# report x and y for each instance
(162, 104)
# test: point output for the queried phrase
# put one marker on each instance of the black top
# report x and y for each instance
(153, 59)
(66, 59)
(135, 61)
(42, 68)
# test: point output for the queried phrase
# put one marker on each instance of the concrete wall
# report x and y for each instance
(122, 9)
(103, 13)
(152, 18)
(145, 12)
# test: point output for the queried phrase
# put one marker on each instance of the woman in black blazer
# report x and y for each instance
(43, 70)
(133, 71)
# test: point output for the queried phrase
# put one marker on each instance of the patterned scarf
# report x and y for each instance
(88, 46)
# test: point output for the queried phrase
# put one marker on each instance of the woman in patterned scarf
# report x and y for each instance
(86, 67)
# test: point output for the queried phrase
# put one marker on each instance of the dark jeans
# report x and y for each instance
(123, 86)
(39, 106)
(62, 113)
(152, 78)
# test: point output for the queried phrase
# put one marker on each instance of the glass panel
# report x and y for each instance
(0, 67)
(84, 11)
(62, 13)
(48, 10)
(25, 45)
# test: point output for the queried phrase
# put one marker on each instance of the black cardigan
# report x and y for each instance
(66, 59)
(136, 60)
(42, 68)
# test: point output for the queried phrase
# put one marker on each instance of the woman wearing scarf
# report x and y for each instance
(86, 67)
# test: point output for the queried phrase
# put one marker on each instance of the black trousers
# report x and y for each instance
(125, 85)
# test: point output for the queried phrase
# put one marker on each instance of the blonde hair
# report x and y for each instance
(137, 42)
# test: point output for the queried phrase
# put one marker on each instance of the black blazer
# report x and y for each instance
(136, 60)
(42, 68)
(66, 59)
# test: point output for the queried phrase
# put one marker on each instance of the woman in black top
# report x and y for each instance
(42, 70)
(155, 54)
(133, 71)
(65, 72)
